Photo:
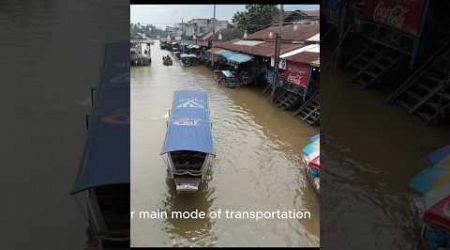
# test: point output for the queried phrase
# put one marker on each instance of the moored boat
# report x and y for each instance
(226, 78)
(311, 160)
(189, 59)
(102, 186)
(188, 145)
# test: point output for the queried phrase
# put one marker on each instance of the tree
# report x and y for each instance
(255, 17)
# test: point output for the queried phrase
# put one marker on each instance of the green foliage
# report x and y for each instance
(148, 29)
(255, 17)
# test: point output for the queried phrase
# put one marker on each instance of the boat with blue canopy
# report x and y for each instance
(102, 186)
(188, 145)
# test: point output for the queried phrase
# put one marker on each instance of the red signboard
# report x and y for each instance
(297, 73)
(405, 15)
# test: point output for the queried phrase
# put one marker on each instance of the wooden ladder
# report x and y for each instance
(427, 95)
(310, 111)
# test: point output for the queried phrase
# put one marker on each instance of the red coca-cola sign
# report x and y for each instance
(405, 15)
(297, 73)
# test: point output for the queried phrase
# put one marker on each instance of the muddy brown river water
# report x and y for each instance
(258, 166)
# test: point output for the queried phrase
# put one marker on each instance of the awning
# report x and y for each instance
(214, 50)
(256, 48)
(189, 126)
(309, 54)
(188, 56)
(106, 156)
(227, 73)
(235, 57)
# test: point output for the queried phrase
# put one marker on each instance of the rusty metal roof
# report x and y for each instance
(266, 48)
(288, 32)
(309, 54)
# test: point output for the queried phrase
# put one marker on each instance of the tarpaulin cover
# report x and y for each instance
(235, 57)
(315, 163)
(430, 178)
(189, 127)
(314, 137)
(437, 205)
(312, 150)
(106, 156)
(227, 73)
(438, 155)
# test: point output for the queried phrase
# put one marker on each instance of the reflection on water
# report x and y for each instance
(370, 151)
(257, 167)
(182, 232)
(51, 52)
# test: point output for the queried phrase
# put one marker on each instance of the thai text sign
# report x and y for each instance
(405, 15)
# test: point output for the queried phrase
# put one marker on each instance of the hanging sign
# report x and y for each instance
(297, 73)
(281, 64)
(405, 15)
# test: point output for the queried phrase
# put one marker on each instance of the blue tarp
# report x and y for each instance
(438, 155)
(189, 127)
(235, 57)
(106, 156)
(314, 137)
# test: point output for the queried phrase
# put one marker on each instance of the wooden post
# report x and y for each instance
(276, 63)
(214, 32)
(276, 60)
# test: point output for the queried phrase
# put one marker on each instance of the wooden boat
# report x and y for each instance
(189, 59)
(226, 78)
(102, 186)
(188, 145)
(167, 61)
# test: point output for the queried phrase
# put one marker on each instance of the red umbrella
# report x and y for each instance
(437, 205)
(315, 163)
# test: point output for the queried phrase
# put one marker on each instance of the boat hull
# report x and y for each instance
(188, 180)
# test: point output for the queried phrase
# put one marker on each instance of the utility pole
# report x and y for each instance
(213, 36)
(276, 61)
(182, 36)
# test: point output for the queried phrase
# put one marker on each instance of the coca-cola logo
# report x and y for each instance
(391, 15)
(295, 78)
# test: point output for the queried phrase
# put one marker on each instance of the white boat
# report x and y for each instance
(140, 53)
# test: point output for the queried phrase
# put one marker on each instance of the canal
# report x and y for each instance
(371, 151)
(258, 165)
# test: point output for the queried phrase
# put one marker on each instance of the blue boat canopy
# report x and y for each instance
(189, 127)
(106, 156)
(235, 57)
(314, 137)
(438, 155)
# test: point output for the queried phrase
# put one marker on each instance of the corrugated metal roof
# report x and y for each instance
(235, 57)
(309, 54)
(288, 33)
(247, 42)
(214, 50)
(266, 49)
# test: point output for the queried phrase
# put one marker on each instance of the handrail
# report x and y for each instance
(416, 72)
